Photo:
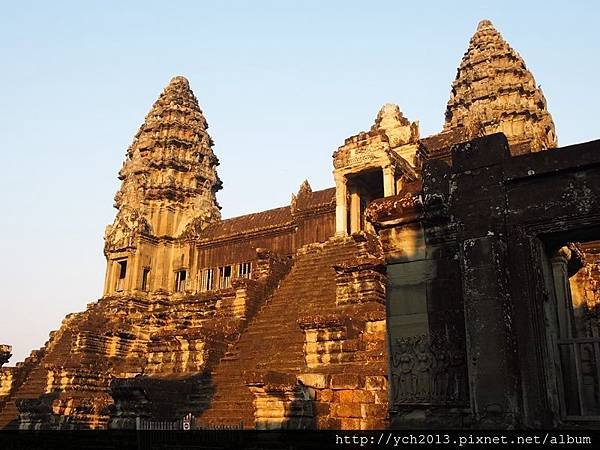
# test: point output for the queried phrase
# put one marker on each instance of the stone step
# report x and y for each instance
(273, 340)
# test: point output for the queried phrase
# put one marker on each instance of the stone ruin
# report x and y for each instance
(445, 281)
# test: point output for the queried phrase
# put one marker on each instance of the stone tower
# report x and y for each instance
(494, 92)
(168, 187)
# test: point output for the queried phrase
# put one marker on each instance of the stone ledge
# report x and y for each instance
(319, 321)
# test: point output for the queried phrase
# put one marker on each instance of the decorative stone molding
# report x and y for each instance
(494, 92)
(6, 381)
(281, 402)
(5, 354)
(360, 280)
(270, 265)
(405, 207)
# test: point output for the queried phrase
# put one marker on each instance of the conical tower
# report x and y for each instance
(169, 178)
(494, 92)
(168, 188)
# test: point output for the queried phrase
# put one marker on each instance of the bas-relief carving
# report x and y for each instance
(427, 370)
(128, 225)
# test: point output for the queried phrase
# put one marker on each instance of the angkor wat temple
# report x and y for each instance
(445, 281)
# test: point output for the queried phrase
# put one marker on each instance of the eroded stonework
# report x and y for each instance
(494, 92)
(437, 285)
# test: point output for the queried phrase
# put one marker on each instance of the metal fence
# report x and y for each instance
(188, 422)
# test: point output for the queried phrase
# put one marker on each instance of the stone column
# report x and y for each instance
(108, 277)
(135, 276)
(341, 205)
(389, 184)
(562, 289)
(354, 209)
(564, 309)
(112, 276)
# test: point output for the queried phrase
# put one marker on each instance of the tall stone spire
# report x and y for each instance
(169, 179)
(494, 92)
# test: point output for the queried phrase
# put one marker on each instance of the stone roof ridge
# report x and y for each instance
(270, 218)
(253, 214)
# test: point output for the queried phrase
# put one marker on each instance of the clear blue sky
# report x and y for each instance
(281, 84)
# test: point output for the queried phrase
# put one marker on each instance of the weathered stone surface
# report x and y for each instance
(6, 374)
(585, 287)
(5, 354)
(494, 92)
(439, 263)
(169, 177)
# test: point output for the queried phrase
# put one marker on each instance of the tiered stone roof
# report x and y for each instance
(495, 92)
(170, 164)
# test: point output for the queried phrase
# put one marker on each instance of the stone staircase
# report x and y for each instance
(67, 383)
(64, 373)
(33, 384)
(273, 340)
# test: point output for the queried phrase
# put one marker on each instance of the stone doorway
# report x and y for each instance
(363, 188)
(572, 279)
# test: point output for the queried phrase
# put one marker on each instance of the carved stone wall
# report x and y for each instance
(428, 370)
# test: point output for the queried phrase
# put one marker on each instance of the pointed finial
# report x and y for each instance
(485, 23)
(389, 109)
(300, 198)
(488, 55)
(390, 116)
(304, 188)
(179, 80)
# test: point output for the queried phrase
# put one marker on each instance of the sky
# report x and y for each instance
(282, 84)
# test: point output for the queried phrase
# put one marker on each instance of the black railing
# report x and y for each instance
(189, 422)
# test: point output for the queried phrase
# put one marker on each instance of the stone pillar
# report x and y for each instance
(562, 289)
(112, 276)
(389, 184)
(490, 352)
(354, 209)
(341, 206)
(135, 276)
(564, 309)
(490, 321)
(108, 277)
